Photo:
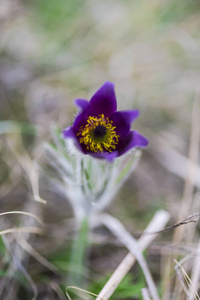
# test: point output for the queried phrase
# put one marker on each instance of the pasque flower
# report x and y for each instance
(102, 131)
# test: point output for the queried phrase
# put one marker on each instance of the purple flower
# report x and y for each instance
(102, 131)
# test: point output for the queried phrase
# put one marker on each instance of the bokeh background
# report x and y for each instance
(54, 51)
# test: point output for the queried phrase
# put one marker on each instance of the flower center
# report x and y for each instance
(99, 131)
(98, 134)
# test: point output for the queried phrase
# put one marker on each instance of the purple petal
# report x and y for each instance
(122, 121)
(80, 120)
(103, 101)
(132, 140)
(68, 133)
(105, 155)
(82, 103)
(139, 140)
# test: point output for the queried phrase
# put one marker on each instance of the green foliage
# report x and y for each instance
(55, 14)
(13, 127)
(2, 248)
(129, 287)
(176, 11)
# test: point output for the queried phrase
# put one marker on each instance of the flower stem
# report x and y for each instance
(78, 254)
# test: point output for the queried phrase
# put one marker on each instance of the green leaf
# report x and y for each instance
(16, 127)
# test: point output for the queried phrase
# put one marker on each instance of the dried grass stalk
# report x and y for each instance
(157, 223)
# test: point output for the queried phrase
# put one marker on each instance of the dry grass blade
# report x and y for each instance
(195, 274)
(158, 222)
(79, 290)
(35, 230)
(57, 289)
(132, 245)
(184, 276)
(6, 187)
(29, 167)
(22, 213)
(191, 219)
(191, 177)
(30, 250)
(33, 285)
(17, 265)
(145, 294)
(172, 160)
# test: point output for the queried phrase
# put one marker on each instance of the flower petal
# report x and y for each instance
(105, 155)
(132, 140)
(82, 103)
(122, 121)
(103, 101)
(68, 132)
(80, 120)
(139, 140)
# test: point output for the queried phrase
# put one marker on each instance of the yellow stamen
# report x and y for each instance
(98, 134)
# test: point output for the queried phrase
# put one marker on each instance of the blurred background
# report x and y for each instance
(54, 51)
